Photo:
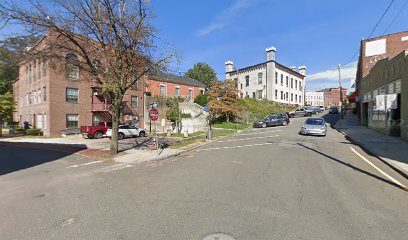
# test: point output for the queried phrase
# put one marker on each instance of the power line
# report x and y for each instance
(382, 16)
(396, 16)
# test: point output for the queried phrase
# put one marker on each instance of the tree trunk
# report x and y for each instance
(114, 144)
(1, 129)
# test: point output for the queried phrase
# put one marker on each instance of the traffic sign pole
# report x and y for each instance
(154, 116)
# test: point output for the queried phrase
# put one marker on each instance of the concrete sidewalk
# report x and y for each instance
(392, 150)
(134, 156)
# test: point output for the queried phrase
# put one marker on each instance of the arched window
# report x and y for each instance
(72, 64)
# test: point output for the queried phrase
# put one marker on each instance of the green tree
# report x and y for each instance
(6, 109)
(203, 73)
(202, 99)
(10, 51)
(174, 113)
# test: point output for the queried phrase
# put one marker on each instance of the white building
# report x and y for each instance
(315, 98)
(270, 80)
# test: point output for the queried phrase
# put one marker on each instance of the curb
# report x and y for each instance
(392, 166)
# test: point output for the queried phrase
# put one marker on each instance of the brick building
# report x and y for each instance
(169, 85)
(332, 96)
(55, 95)
(373, 50)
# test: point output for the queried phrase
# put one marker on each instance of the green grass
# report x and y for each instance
(184, 143)
(230, 125)
(223, 132)
(180, 135)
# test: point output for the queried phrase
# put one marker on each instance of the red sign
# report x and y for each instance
(154, 114)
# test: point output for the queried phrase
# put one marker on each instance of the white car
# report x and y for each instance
(126, 131)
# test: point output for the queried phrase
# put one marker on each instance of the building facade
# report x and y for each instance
(373, 50)
(384, 101)
(168, 85)
(269, 80)
(56, 96)
(314, 98)
(331, 96)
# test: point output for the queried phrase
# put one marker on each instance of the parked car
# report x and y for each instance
(314, 126)
(333, 110)
(302, 112)
(322, 108)
(315, 110)
(126, 131)
(95, 131)
(273, 120)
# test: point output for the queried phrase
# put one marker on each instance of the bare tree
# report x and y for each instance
(113, 40)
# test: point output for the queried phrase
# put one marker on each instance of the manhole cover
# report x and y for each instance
(219, 236)
(68, 221)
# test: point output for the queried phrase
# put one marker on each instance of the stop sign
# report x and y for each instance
(154, 114)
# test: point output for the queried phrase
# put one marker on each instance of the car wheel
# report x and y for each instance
(263, 125)
(284, 123)
(98, 135)
(309, 114)
(142, 134)
(292, 115)
(121, 136)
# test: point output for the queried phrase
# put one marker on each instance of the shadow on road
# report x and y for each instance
(331, 119)
(351, 166)
(18, 156)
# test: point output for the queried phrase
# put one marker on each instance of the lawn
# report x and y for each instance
(230, 125)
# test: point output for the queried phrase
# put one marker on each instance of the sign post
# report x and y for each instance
(154, 116)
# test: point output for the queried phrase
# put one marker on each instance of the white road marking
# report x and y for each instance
(236, 162)
(378, 169)
(246, 134)
(84, 164)
(242, 146)
(242, 139)
(118, 167)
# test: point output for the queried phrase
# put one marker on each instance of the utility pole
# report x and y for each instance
(341, 92)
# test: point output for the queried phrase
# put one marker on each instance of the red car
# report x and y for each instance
(95, 131)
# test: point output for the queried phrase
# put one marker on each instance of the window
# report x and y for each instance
(295, 84)
(287, 96)
(236, 82)
(276, 94)
(190, 93)
(300, 98)
(281, 95)
(162, 87)
(72, 66)
(300, 86)
(39, 96)
(72, 95)
(45, 121)
(260, 94)
(72, 120)
(259, 78)
(177, 91)
(287, 81)
(44, 94)
(44, 69)
(276, 77)
(281, 79)
(39, 70)
(253, 95)
(133, 101)
(29, 74)
(291, 97)
(35, 71)
(246, 81)
(26, 74)
(295, 97)
(291, 82)
(241, 86)
(39, 121)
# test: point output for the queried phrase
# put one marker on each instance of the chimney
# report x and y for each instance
(229, 66)
(271, 54)
(302, 70)
(293, 68)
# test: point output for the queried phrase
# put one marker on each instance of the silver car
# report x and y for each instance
(314, 126)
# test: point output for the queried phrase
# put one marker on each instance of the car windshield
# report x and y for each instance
(314, 121)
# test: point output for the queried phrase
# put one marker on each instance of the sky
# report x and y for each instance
(317, 33)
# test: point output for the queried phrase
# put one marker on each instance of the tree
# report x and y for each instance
(203, 73)
(202, 99)
(10, 50)
(174, 112)
(223, 100)
(111, 41)
(6, 109)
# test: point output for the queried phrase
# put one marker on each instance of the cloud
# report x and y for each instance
(347, 72)
(225, 17)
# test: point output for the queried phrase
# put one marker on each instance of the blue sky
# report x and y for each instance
(317, 33)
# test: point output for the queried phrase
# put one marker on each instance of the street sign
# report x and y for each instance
(154, 114)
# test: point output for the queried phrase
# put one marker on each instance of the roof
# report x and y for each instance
(167, 77)
(263, 65)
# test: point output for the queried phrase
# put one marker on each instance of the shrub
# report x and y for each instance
(34, 132)
(202, 100)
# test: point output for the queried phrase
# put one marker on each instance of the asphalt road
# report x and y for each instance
(261, 184)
